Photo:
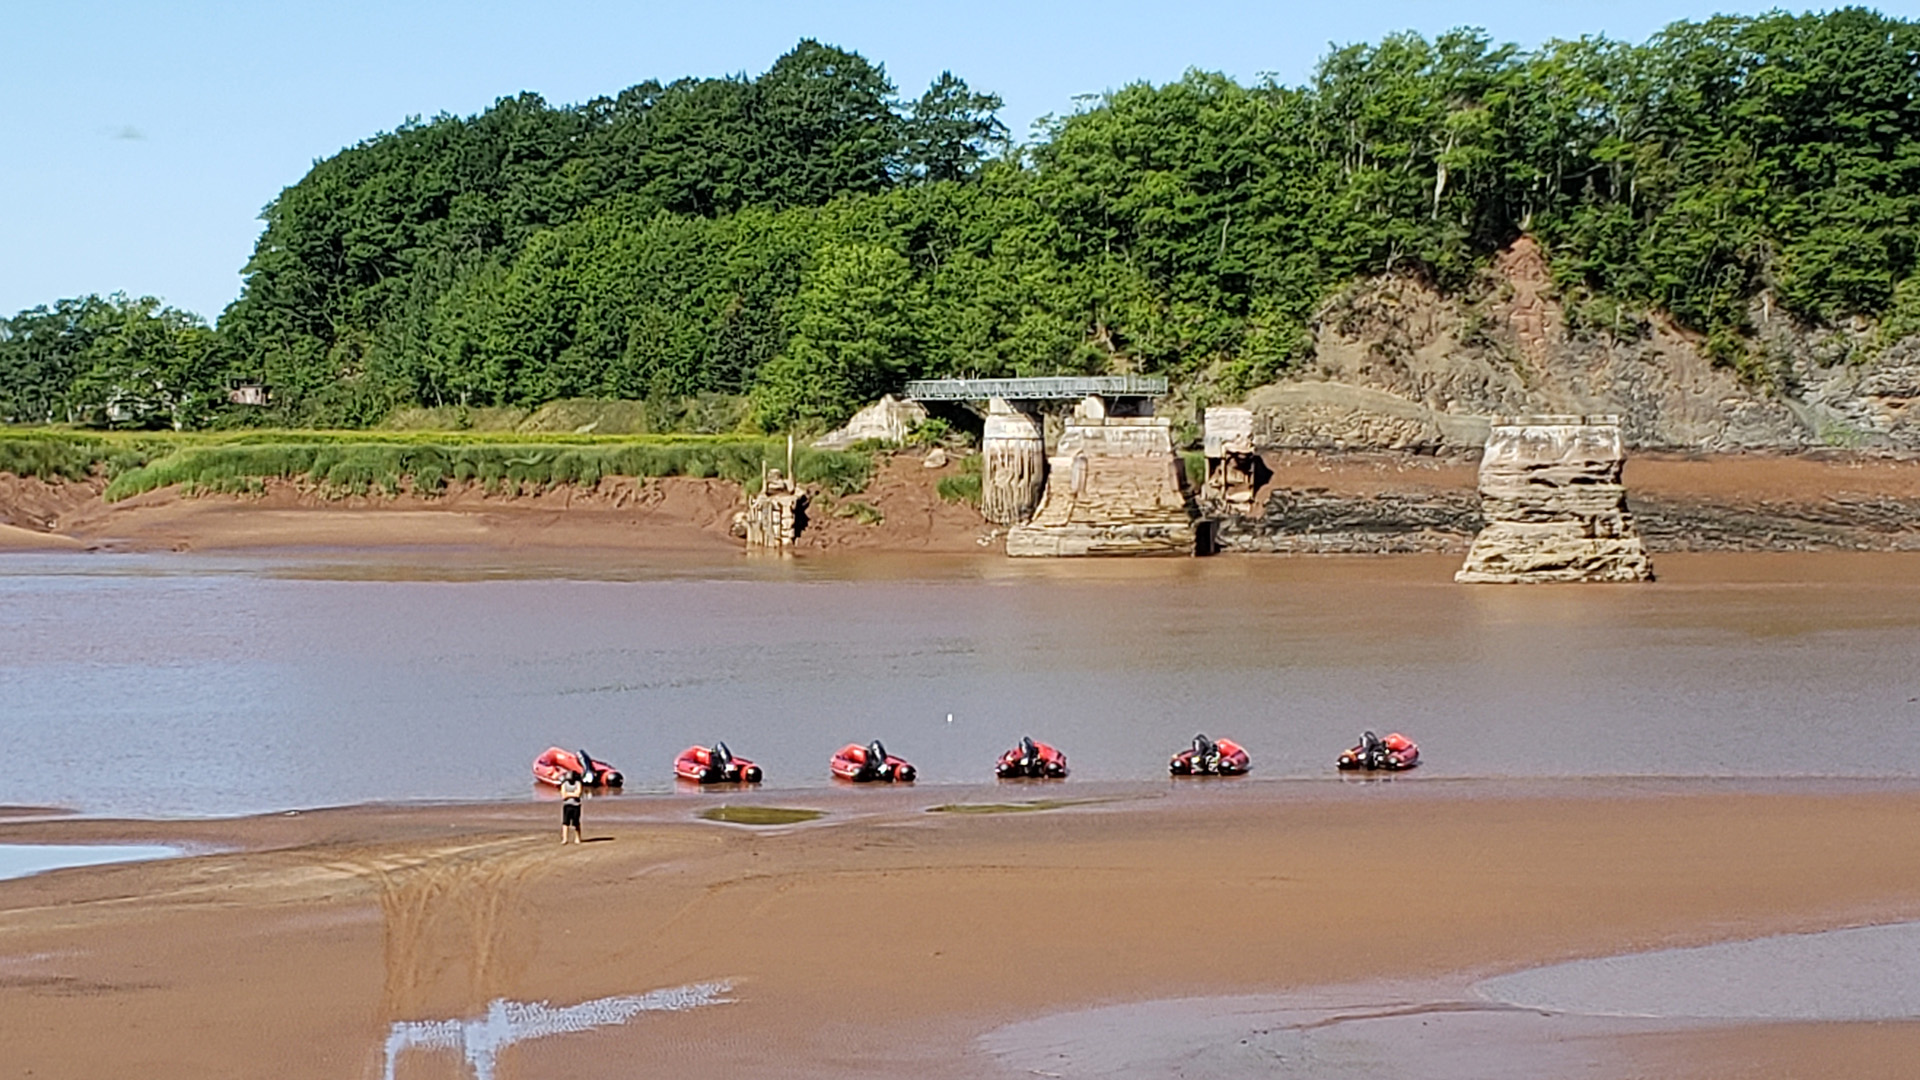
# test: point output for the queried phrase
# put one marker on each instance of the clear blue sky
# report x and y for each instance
(138, 141)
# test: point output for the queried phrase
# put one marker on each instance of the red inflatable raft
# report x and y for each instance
(555, 765)
(861, 764)
(1034, 759)
(715, 765)
(1210, 757)
(1393, 753)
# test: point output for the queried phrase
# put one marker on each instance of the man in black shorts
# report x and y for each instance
(570, 792)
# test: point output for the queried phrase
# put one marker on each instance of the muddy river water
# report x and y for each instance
(175, 684)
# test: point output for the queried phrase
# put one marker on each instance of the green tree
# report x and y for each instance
(42, 351)
(951, 131)
(148, 365)
(852, 337)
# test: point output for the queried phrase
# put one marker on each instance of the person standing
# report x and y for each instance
(571, 791)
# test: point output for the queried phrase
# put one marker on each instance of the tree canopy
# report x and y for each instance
(810, 238)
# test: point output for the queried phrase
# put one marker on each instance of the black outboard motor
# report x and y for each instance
(1206, 756)
(1373, 751)
(722, 759)
(589, 775)
(1029, 756)
(877, 760)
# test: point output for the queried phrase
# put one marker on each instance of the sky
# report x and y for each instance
(139, 141)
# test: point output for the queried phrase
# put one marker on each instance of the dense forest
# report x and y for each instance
(809, 238)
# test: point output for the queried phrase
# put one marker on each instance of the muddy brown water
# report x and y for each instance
(191, 685)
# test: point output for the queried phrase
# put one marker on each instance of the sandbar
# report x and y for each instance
(884, 940)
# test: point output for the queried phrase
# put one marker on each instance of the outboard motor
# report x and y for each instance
(1372, 751)
(877, 760)
(1029, 754)
(588, 774)
(1206, 756)
(722, 759)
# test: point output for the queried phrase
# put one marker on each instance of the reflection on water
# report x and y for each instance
(481, 1038)
(20, 860)
(204, 685)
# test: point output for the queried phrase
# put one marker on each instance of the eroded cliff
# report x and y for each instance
(1397, 365)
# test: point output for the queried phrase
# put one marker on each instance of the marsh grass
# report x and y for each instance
(364, 462)
(761, 815)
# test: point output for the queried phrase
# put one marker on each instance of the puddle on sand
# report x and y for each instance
(1362, 1033)
(505, 1023)
(1866, 973)
(1564, 1020)
(1028, 807)
(20, 860)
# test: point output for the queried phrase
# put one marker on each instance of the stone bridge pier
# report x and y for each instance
(1113, 485)
(1013, 463)
(1554, 505)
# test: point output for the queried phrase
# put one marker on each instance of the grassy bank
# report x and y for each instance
(359, 462)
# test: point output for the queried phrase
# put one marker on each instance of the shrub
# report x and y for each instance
(964, 485)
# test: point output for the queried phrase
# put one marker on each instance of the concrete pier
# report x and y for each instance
(1013, 464)
(773, 519)
(1115, 487)
(1554, 505)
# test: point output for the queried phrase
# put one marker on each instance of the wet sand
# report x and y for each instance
(884, 940)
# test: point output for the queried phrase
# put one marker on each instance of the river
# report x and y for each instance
(162, 685)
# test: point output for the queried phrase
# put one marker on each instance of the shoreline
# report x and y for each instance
(840, 801)
(1356, 502)
(297, 938)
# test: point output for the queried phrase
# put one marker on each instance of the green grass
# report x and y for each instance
(761, 815)
(705, 413)
(1196, 463)
(359, 462)
(864, 513)
(963, 486)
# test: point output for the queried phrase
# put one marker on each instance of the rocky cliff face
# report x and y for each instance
(1397, 366)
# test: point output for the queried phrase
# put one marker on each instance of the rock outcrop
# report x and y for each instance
(1397, 365)
(889, 420)
(1114, 487)
(1322, 521)
(1319, 415)
(1554, 506)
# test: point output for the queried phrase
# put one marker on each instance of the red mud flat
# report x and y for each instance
(884, 940)
(900, 511)
(618, 515)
